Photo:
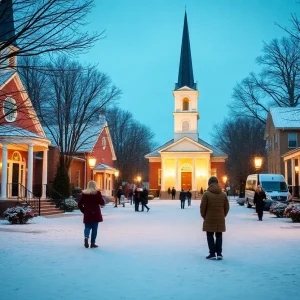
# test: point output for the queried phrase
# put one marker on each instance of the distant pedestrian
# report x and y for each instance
(119, 194)
(130, 194)
(88, 204)
(182, 196)
(169, 191)
(145, 199)
(259, 201)
(214, 208)
(173, 192)
(189, 197)
(138, 194)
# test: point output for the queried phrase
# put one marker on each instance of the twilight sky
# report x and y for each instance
(141, 52)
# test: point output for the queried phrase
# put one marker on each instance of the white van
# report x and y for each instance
(274, 186)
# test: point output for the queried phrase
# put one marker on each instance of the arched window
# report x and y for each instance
(10, 109)
(185, 104)
(103, 143)
(186, 168)
(185, 126)
(16, 156)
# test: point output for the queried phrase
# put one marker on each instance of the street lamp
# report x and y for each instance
(296, 169)
(92, 164)
(138, 179)
(115, 187)
(224, 180)
(257, 164)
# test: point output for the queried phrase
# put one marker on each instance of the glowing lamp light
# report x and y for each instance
(116, 174)
(224, 178)
(139, 178)
(257, 162)
(296, 169)
(92, 162)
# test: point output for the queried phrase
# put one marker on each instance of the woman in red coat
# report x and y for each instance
(89, 203)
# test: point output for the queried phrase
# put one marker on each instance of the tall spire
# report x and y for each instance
(185, 76)
(7, 28)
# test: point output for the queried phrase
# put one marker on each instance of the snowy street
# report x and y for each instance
(158, 254)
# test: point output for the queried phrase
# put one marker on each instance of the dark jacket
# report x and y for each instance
(214, 208)
(188, 194)
(182, 195)
(120, 193)
(145, 196)
(138, 195)
(259, 200)
(89, 206)
(173, 192)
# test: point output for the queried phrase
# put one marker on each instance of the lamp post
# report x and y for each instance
(224, 180)
(115, 187)
(257, 164)
(92, 164)
(138, 179)
(296, 181)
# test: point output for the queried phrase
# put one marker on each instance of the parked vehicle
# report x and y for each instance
(274, 186)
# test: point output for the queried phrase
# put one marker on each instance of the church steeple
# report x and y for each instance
(7, 28)
(185, 76)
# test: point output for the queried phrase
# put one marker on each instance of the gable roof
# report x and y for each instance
(285, 117)
(5, 76)
(215, 151)
(87, 139)
(10, 130)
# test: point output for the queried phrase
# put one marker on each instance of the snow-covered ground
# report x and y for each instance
(158, 254)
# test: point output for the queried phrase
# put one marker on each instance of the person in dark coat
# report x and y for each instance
(138, 193)
(173, 192)
(145, 199)
(119, 194)
(130, 194)
(189, 197)
(259, 201)
(182, 196)
(88, 204)
(214, 208)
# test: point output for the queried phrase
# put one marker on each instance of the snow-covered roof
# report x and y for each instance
(87, 139)
(5, 76)
(10, 130)
(216, 152)
(285, 117)
(104, 167)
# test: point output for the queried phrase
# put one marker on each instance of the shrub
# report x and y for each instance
(61, 183)
(18, 214)
(69, 205)
(278, 209)
(150, 197)
(293, 211)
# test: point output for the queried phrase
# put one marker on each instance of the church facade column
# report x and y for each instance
(30, 169)
(45, 173)
(4, 172)
(162, 174)
(194, 187)
(177, 176)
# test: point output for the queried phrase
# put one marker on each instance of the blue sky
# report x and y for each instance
(141, 52)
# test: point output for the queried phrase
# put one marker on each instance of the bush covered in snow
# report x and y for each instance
(278, 209)
(18, 214)
(69, 205)
(293, 211)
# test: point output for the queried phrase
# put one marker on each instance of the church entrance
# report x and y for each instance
(186, 181)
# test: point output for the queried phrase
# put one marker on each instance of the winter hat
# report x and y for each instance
(212, 179)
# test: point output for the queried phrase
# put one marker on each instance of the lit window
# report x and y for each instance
(292, 140)
(159, 176)
(185, 104)
(103, 143)
(10, 109)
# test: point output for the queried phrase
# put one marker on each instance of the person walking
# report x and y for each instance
(88, 204)
(130, 194)
(259, 201)
(214, 208)
(119, 194)
(145, 199)
(169, 191)
(173, 193)
(182, 196)
(138, 193)
(189, 197)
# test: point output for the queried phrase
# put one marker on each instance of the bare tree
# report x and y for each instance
(132, 141)
(278, 84)
(30, 28)
(241, 138)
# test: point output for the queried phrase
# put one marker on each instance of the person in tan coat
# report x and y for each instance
(214, 208)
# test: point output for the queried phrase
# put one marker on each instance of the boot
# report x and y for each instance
(94, 246)
(86, 242)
